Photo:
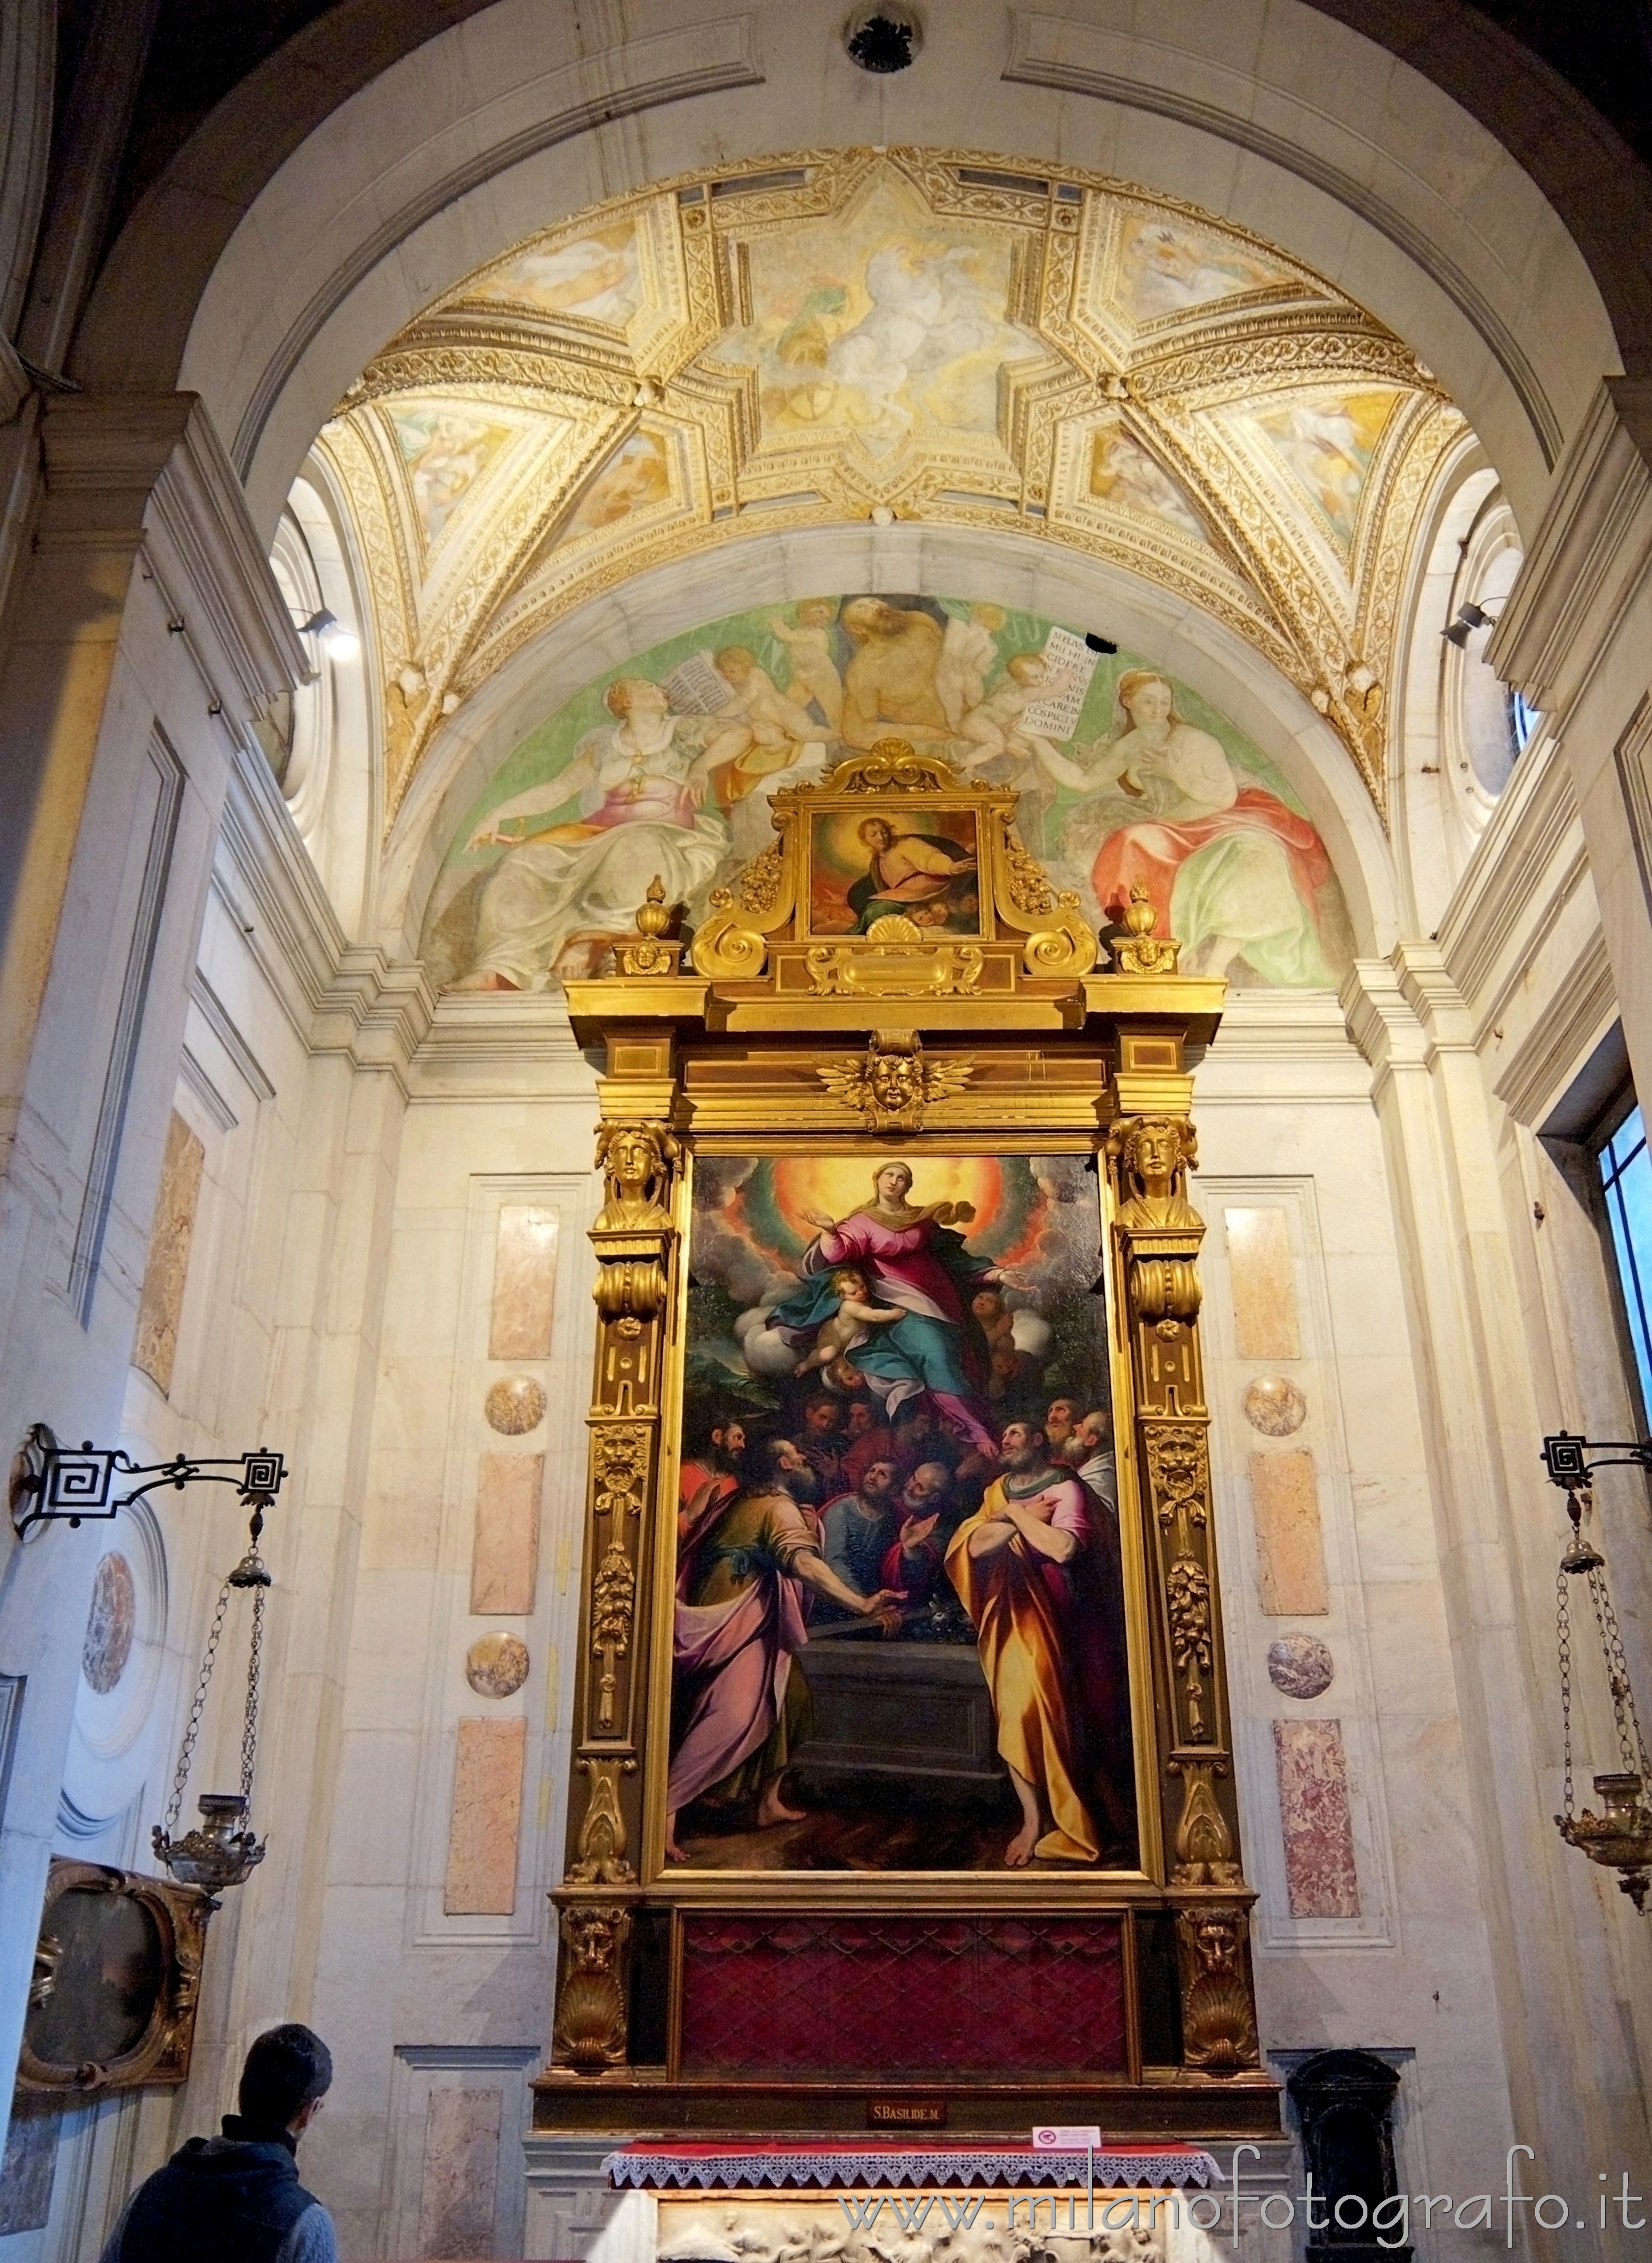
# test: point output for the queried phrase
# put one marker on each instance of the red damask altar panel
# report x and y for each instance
(928, 1996)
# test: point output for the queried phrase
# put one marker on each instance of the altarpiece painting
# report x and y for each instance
(900, 1626)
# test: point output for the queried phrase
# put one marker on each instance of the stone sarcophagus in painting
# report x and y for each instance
(902, 1745)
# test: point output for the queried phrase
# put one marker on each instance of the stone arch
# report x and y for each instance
(325, 243)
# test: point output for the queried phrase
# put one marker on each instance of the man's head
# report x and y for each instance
(775, 1465)
(1058, 1422)
(288, 2072)
(1093, 1431)
(1022, 1446)
(877, 1483)
(913, 1423)
(875, 833)
(819, 1420)
(857, 1419)
(925, 1490)
(728, 1440)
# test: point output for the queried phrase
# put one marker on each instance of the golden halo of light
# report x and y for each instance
(838, 1184)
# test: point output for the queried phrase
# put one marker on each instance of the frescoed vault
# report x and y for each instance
(917, 334)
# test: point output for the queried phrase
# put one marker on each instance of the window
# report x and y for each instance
(1626, 1181)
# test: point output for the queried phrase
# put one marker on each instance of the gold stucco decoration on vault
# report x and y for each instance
(923, 335)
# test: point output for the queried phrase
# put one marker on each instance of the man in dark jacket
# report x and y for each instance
(237, 2198)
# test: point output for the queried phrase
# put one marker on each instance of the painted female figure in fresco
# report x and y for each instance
(1233, 873)
(910, 1257)
(649, 773)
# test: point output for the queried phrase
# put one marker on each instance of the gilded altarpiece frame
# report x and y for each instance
(955, 1031)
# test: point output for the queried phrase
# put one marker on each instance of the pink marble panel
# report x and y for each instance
(524, 1278)
(461, 2173)
(1264, 1284)
(161, 1306)
(1290, 1542)
(504, 1559)
(487, 1819)
(1319, 1834)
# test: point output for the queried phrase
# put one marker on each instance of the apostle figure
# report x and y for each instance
(1037, 1570)
(739, 1709)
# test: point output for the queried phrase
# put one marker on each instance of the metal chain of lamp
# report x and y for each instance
(224, 1850)
(52, 1484)
(1620, 1837)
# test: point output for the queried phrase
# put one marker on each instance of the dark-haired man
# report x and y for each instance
(238, 2195)
(708, 1482)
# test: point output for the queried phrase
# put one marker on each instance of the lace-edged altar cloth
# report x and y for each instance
(662, 2165)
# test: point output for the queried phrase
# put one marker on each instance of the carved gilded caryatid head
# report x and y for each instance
(1154, 1154)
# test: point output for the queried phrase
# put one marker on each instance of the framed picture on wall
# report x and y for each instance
(116, 1983)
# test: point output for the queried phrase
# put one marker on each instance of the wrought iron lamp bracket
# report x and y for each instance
(1571, 1460)
(54, 1483)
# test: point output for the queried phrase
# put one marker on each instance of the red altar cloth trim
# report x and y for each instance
(662, 2163)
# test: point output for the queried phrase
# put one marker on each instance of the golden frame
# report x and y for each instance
(161, 2053)
(774, 1042)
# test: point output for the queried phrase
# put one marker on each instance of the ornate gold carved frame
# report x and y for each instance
(1005, 1036)
(158, 1998)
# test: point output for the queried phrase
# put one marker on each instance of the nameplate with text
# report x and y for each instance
(906, 2113)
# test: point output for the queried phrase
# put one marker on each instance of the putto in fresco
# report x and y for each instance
(667, 765)
(899, 1619)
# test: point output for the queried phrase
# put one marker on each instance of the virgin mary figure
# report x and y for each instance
(910, 1258)
(1233, 873)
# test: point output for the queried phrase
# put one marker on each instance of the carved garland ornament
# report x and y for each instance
(621, 1460)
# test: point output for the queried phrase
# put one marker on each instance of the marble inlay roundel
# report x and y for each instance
(515, 1404)
(111, 1624)
(497, 1664)
(1300, 1664)
(1274, 1405)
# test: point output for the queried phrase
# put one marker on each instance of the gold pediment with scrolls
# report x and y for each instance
(895, 895)
(894, 878)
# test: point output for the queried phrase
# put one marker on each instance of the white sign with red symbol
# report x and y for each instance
(1061, 2137)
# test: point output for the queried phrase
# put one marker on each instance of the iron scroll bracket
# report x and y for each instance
(56, 1484)
(1571, 1460)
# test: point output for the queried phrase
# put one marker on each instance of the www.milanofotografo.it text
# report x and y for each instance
(1389, 2220)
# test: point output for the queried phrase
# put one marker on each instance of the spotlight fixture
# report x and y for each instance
(883, 37)
(341, 642)
(1470, 617)
(1100, 643)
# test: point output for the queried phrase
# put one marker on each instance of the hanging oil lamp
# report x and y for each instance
(1620, 1837)
(222, 1850)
